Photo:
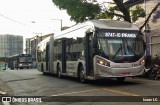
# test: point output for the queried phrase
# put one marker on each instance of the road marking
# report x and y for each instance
(19, 79)
(106, 89)
(120, 92)
(76, 92)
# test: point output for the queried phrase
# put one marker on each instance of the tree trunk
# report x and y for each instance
(123, 9)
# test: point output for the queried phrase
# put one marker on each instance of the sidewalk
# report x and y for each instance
(5, 91)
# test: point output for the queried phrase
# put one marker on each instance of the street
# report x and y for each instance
(112, 47)
(31, 82)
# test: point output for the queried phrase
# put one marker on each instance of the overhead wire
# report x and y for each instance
(12, 19)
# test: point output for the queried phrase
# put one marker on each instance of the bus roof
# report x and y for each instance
(100, 24)
(113, 24)
(91, 24)
(44, 41)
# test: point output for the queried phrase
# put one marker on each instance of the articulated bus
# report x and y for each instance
(20, 61)
(93, 50)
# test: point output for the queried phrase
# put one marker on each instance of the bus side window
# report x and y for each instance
(91, 43)
(39, 55)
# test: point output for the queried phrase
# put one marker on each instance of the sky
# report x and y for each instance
(31, 17)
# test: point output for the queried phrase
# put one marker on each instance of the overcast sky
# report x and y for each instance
(27, 17)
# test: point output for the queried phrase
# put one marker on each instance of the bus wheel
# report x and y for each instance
(82, 75)
(121, 79)
(59, 72)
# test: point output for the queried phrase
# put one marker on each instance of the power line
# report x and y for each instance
(12, 19)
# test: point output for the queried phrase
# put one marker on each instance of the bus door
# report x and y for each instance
(63, 55)
(47, 57)
(89, 54)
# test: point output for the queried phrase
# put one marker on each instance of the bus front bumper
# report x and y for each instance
(107, 72)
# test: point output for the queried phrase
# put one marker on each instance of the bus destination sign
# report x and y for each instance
(120, 35)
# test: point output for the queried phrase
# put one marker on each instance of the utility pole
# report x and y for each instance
(147, 33)
(5, 64)
(60, 22)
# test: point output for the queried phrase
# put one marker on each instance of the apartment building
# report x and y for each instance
(10, 45)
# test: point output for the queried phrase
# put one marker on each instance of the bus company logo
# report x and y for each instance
(6, 99)
(21, 99)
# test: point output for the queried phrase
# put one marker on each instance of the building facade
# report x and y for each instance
(31, 44)
(152, 28)
(10, 45)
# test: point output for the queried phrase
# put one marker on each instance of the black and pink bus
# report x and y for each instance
(20, 61)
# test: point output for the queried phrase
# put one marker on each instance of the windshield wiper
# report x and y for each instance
(131, 50)
(117, 52)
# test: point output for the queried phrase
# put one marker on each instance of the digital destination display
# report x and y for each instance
(121, 35)
(118, 33)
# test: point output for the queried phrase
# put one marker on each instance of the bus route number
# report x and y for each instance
(123, 35)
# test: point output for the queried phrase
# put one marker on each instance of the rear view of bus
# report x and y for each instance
(120, 51)
(21, 61)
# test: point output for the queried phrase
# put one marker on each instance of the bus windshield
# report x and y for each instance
(25, 59)
(121, 49)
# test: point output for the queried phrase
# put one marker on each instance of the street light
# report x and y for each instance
(60, 21)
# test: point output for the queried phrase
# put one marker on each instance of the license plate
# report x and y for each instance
(126, 74)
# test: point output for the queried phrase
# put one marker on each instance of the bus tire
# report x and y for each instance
(120, 79)
(82, 74)
(59, 72)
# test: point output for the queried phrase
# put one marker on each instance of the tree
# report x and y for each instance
(104, 15)
(81, 10)
(125, 11)
(137, 12)
(78, 10)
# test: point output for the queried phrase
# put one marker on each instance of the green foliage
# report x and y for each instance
(111, 14)
(137, 12)
(108, 15)
(103, 16)
(78, 10)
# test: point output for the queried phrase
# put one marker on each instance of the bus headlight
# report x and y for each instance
(103, 62)
(142, 62)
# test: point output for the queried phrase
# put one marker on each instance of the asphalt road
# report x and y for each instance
(33, 83)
